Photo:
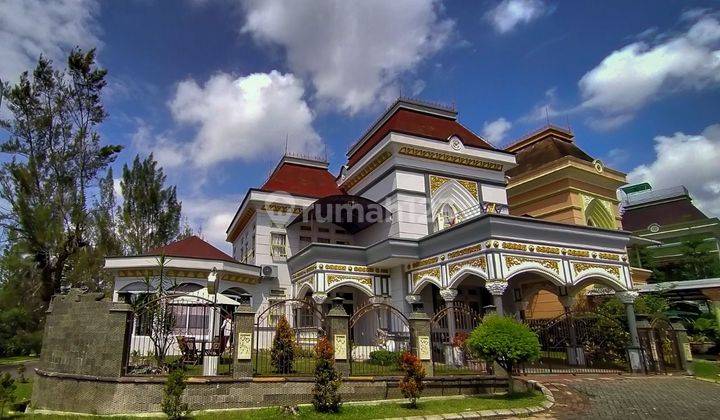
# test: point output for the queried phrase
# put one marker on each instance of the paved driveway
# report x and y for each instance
(632, 397)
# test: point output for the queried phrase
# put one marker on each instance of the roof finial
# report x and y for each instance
(547, 116)
(286, 144)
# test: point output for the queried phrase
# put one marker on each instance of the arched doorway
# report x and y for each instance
(471, 292)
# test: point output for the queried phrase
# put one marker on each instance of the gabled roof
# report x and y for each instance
(544, 146)
(418, 119)
(191, 247)
(301, 176)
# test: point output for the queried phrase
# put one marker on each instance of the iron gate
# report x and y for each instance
(449, 329)
(286, 333)
(379, 334)
(660, 348)
(580, 342)
(179, 330)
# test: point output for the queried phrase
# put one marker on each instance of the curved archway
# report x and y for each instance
(598, 278)
(304, 288)
(539, 270)
(424, 281)
(137, 287)
(597, 215)
(464, 273)
(366, 290)
(451, 195)
(235, 293)
(186, 287)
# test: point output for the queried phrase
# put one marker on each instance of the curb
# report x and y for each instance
(537, 386)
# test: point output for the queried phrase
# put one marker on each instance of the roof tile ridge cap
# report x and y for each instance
(476, 135)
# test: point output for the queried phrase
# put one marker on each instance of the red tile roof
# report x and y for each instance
(192, 247)
(306, 180)
(420, 124)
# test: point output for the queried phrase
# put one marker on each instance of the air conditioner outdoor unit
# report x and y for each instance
(269, 270)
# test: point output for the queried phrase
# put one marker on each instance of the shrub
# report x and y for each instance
(7, 391)
(385, 357)
(282, 353)
(326, 398)
(172, 404)
(21, 369)
(506, 341)
(411, 384)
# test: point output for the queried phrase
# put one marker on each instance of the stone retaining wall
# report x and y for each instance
(107, 395)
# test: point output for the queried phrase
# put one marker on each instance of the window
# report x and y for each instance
(323, 240)
(340, 232)
(341, 242)
(305, 241)
(304, 227)
(323, 230)
(278, 245)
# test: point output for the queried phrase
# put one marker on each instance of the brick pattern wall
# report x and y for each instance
(84, 335)
(138, 395)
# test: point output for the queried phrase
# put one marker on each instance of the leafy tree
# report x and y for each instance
(326, 398)
(411, 384)
(172, 404)
(506, 341)
(282, 353)
(7, 391)
(55, 159)
(150, 215)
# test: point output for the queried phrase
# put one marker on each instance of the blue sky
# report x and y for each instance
(214, 87)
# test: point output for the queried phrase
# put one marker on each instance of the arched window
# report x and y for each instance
(597, 215)
(446, 217)
(235, 293)
(186, 288)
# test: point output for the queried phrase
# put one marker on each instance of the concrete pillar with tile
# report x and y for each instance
(243, 339)
(420, 336)
(338, 334)
(634, 350)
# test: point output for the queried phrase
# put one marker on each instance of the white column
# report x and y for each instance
(628, 298)
(449, 296)
(497, 289)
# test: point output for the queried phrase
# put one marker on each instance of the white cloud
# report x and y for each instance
(29, 28)
(236, 118)
(351, 50)
(211, 216)
(690, 160)
(495, 131)
(638, 73)
(508, 14)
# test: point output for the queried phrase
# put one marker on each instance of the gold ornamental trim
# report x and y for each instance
(282, 208)
(425, 262)
(479, 262)
(436, 182)
(366, 170)
(465, 251)
(336, 278)
(432, 272)
(337, 267)
(513, 260)
(515, 246)
(304, 271)
(578, 253)
(444, 157)
(547, 249)
(609, 256)
(470, 186)
(580, 267)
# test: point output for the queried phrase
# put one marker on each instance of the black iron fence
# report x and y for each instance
(379, 334)
(450, 327)
(185, 331)
(580, 342)
(285, 335)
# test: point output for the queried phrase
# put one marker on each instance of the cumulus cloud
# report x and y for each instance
(29, 28)
(495, 131)
(235, 118)
(690, 160)
(351, 51)
(508, 14)
(629, 78)
(211, 217)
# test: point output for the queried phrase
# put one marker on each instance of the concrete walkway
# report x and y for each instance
(631, 397)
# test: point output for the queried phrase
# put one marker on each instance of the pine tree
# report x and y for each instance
(282, 353)
(150, 215)
(55, 160)
(326, 398)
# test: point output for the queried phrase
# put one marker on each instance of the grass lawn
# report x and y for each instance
(23, 391)
(706, 369)
(391, 409)
(16, 360)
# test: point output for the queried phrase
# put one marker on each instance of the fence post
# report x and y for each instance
(337, 319)
(244, 320)
(684, 351)
(420, 336)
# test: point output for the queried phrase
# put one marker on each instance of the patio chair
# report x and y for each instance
(188, 350)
